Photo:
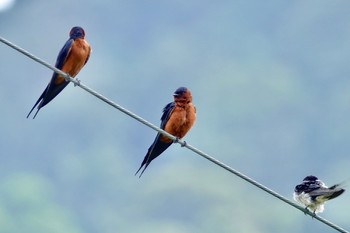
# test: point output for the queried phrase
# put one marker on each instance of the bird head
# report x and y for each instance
(77, 32)
(182, 94)
(310, 179)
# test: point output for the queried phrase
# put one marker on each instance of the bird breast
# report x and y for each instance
(77, 57)
(181, 120)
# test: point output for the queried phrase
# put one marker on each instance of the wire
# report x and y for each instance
(264, 188)
(175, 139)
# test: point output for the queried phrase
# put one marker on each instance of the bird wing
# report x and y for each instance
(52, 89)
(55, 87)
(63, 54)
(158, 146)
(324, 194)
(167, 110)
(307, 188)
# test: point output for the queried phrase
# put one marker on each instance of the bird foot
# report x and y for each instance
(77, 83)
(177, 140)
(311, 213)
(67, 78)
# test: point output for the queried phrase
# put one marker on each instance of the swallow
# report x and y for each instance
(313, 193)
(177, 119)
(71, 59)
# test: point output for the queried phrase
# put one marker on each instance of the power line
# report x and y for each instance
(175, 139)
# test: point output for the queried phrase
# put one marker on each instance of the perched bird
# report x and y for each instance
(72, 57)
(177, 119)
(313, 193)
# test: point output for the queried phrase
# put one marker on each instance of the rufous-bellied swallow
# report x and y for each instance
(313, 193)
(177, 119)
(72, 57)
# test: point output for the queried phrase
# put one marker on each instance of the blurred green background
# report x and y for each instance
(270, 80)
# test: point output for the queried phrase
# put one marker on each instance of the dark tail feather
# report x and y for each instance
(142, 170)
(336, 194)
(145, 162)
(50, 92)
(154, 151)
(36, 113)
(139, 170)
(36, 103)
(31, 111)
(33, 108)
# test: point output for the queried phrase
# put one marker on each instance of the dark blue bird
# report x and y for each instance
(313, 193)
(72, 57)
(177, 119)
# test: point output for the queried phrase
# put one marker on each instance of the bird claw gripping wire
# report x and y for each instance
(177, 140)
(66, 77)
(77, 83)
(311, 213)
